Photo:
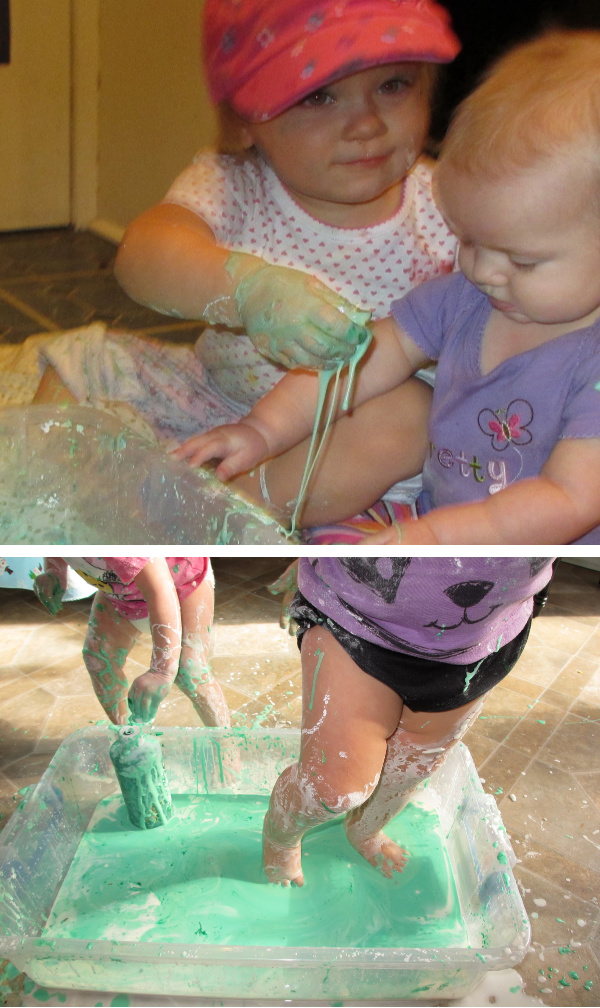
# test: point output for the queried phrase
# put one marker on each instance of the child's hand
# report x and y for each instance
(48, 589)
(293, 318)
(240, 447)
(145, 695)
(286, 585)
(410, 533)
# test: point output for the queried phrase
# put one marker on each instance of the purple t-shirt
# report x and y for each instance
(488, 431)
(454, 609)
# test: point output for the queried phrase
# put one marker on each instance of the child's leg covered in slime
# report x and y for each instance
(194, 676)
(419, 746)
(110, 638)
(362, 753)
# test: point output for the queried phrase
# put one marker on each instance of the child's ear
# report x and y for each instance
(245, 136)
(235, 134)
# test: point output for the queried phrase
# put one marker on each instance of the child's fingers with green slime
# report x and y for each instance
(292, 317)
(145, 696)
(47, 588)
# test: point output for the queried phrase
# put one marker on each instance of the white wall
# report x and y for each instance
(153, 111)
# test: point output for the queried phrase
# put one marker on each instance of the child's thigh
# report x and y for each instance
(439, 725)
(347, 715)
(107, 629)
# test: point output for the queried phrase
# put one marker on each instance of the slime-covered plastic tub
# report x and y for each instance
(40, 843)
(80, 475)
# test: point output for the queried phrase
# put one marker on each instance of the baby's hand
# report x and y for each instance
(239, 446)
(145, 695)
(48, 589)
(410, 533)
(391, 536)
(293, 318)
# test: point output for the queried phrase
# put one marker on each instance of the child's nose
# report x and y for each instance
(488, 268)
(364, 122)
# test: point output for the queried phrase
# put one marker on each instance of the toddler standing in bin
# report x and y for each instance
(173, 599)
(398, 654)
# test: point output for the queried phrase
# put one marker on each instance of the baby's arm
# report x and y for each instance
(169, 259)
(558, 506)
(285, 416)
(156, 585)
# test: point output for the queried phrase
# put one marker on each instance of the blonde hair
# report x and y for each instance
(229, 127)
(540, 99)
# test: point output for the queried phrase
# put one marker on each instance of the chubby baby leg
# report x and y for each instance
(347, 718)
(419, 746)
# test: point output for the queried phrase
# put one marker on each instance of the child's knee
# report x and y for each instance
(320, 797)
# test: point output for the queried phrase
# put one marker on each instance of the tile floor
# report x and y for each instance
(537, 745)
(60, 278)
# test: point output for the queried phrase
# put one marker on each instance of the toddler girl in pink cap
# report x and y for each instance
(316, 213)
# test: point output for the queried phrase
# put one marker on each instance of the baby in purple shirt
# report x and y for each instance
(398, 654)
(514, 431)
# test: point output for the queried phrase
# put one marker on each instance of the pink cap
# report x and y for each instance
(263, 56)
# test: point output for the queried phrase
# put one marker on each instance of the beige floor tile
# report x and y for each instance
(576, 674)
(576, 743)
(503, 709)
(561, 631)
(22, 721)
(540, 663)
(532, 732)
(480, 746)
(548, 976)
(551, 807)
(502, 769)
(254, 674)
(590, 784)
(13, 683)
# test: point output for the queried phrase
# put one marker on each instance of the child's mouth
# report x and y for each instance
(367, 162)
(501, 306)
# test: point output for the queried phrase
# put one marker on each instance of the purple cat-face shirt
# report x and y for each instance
(455, 609)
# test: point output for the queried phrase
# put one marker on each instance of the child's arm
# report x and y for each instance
(156, 585)
(558, 506)
(169, 260)
(285, 416)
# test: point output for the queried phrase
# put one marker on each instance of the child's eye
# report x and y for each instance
(523, 265)
(395, 85)
(317, 99)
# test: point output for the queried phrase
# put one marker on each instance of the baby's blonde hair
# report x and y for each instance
(540, 99)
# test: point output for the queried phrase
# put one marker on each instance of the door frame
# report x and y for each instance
(85, 69)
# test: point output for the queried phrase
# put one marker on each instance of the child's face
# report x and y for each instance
(531, 241)
(344, 151)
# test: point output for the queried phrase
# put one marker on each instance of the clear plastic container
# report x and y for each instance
(81, 475)
(40, 841)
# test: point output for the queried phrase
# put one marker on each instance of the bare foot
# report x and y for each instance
(283, 865)
(381, 852)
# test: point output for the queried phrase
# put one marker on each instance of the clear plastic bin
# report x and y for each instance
(40, 841)
(81, 475)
